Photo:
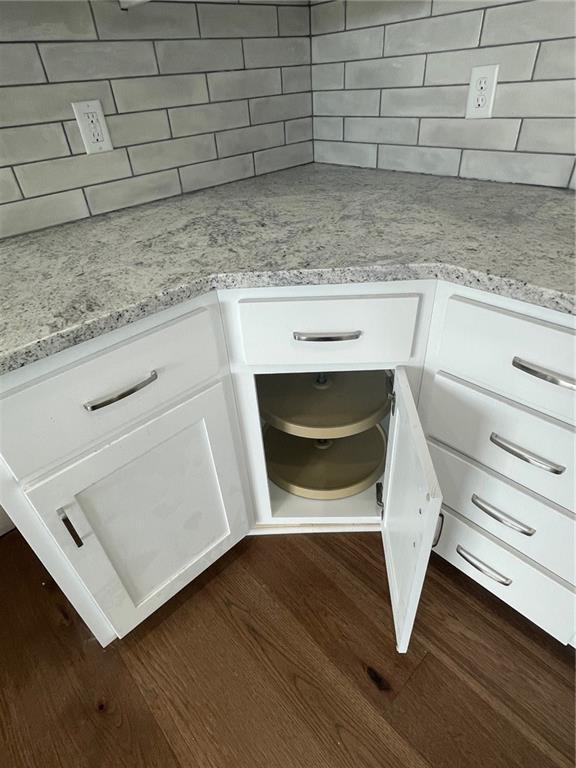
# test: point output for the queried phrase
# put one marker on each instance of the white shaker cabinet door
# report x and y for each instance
(144, 516)
(411, 507)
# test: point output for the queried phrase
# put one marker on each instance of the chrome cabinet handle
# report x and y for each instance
(102, 402)
(526, 455)
(327, 336)
(76, 538)
(439, 529)
(546, 374)
(482, 567)
(501, 517)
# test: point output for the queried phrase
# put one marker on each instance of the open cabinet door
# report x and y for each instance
(411, 505)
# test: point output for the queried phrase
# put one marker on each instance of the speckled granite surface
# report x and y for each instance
(309, 225)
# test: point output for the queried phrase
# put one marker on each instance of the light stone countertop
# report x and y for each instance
(313, 225)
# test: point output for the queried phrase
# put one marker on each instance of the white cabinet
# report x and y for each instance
(141, 518)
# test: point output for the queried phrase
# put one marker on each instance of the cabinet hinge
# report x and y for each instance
(392, 398)
(379, 498)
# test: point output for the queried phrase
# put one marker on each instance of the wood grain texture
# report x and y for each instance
(282, 655)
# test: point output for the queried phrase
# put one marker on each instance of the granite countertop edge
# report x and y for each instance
(68, 337)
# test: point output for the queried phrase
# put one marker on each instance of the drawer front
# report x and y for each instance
(46, 423)
(540, 598)
(489, 429)
(329, 330)
(529, 360)
(523, 521)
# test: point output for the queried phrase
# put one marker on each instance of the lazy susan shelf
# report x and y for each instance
(330, 405)
(325, 469)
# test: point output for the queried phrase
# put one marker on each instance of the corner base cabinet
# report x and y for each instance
(132, 461)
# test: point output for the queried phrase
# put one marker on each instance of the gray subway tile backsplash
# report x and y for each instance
(206, 118)
(140, 93)
(327, 17)
(32, 142)
(348, 46)
(516, 63)
(296, 79)
(146, 21)
(276, 52)
(377, 82)
(249, 139)
(519, 167)
(49, 176)
(365, 103)
(40, 212)
(216, 172)
(285, 107)
(385, 73)
(382, 130)
(367, 13)
(441, 101)
(176, 56)
(41, 20)
(283, 157)
(548, 135)
(237, 20)
(345, 153)
(225, 86)
(20, 64)
(9, 190)
(293, 20)
(29, 104)
(556, 59)
(443, 162)
(160, 155)
(521, 22)
(128, 192)
(97, 61)
(125, 130)
(438, 33)
(472, 134)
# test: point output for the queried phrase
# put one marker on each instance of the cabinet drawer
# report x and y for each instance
(329, 330)
(541, 532)
(491, 429)
(47, 422)
(530, 360)
(541, 598)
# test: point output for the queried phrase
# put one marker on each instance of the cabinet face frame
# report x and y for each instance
(243, 380)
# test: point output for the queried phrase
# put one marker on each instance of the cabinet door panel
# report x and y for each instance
(412, 501)
(147, 514)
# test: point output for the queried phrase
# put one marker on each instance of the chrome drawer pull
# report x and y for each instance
(482, 567)
(94, 405)
(526, 455)
(76, 538)
(544, 373)
(502, 517)
(327, 336)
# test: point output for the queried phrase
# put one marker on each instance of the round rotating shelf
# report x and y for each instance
(330, 405)
(325, 469)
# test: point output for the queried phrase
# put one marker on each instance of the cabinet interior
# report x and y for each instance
(361, 415)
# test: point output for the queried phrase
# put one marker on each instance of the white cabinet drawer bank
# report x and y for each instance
(132, 461)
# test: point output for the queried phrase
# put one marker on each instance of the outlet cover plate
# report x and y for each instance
(92, 126)
(482, 91)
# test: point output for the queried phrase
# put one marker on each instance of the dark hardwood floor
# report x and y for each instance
(281, 656)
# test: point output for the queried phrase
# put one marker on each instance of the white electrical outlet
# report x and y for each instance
(482, 91)
(92, 125)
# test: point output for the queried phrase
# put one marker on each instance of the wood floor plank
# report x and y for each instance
(281, 655)
(281, 688)
(451, 726)
(360, 645)
(533, 681)
(64, 701)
